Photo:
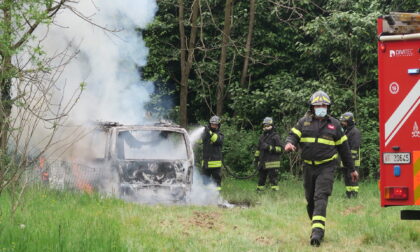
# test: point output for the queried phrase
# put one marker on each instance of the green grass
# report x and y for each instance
(275, 221)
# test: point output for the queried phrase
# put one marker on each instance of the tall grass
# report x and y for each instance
(269, 221)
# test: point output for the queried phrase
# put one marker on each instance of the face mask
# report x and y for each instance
(267, 128)
(320, 112)
(214, 127)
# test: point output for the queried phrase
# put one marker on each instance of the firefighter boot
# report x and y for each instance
(349, 194)
(260, 188)
(317, 236)
(354, 194)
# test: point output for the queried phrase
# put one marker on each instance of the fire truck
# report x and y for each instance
(399, 110)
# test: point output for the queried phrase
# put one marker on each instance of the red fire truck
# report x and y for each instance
(399, 110)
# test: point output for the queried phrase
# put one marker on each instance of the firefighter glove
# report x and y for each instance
(207, 131)
(265, 146)
(272, 149)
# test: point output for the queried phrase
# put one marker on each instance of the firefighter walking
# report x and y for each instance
(354, 139)
(267, 155)
(212, 140)
(321, 139)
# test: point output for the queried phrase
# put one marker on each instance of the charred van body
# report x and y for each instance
(143, 163)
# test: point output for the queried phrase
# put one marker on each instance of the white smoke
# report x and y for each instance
(204, 193)
(110, 55)
(111, 52)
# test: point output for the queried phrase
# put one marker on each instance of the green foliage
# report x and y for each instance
(239, 148)
(328, 45)
(367, 122)
(21, 14)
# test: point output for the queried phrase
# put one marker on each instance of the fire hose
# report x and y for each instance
(240, 176)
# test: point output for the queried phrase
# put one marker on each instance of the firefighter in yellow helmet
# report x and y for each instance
(321, 140)
(212, 140)
(267, 155)
(354, 139)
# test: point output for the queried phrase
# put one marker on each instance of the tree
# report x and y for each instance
(344, 43)
(248, 42)
(28, 87)
(223, 54)
(19, 20)
(186, 56)
(275, 62)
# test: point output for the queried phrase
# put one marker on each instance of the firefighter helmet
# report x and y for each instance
(347, 117)
(268, 121)
(214, 120)
(320, 98)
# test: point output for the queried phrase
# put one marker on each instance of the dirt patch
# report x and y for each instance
(353, 210)
(264, 240)
(165, 223)
(204, 220)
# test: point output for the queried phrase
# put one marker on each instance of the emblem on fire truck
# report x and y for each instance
(394, 88)
(401, 53)
(415, 132)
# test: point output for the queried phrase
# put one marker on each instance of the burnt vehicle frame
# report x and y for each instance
(144, 163)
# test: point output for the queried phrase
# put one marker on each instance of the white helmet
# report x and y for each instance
(215, 120)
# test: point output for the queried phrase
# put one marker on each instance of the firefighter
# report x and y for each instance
(212, 140)
(353, 135)
(321, 139)
(267, 155)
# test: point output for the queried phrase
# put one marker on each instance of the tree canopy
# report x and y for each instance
(277, 54)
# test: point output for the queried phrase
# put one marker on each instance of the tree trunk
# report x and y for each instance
(183, 85)
(186, 58)
(5, 79)
(355, 87)
(5, 105)
(248, 42)
(222, 63)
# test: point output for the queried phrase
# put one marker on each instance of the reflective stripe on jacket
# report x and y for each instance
(354, 138)
(269, 149)
(212, 149)
(321, 140)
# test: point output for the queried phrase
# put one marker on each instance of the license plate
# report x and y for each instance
(396, 158)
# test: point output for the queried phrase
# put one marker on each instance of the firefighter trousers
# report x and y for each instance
(318, 184)
(272, 175)
(213, 173)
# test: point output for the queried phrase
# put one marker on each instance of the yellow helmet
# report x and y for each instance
(268, 121)
(347, 117)
(320, 98)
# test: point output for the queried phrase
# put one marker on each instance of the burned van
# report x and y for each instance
(148, 163)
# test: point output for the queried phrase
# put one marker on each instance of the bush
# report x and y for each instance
(239, 148)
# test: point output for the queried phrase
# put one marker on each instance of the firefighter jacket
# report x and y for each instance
(321, 141)
(212, 148)
(354, 139)
(268, 150)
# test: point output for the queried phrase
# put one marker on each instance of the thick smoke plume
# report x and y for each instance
(107, 51)
(111, 52)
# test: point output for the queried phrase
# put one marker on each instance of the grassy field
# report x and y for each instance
(67, 221)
